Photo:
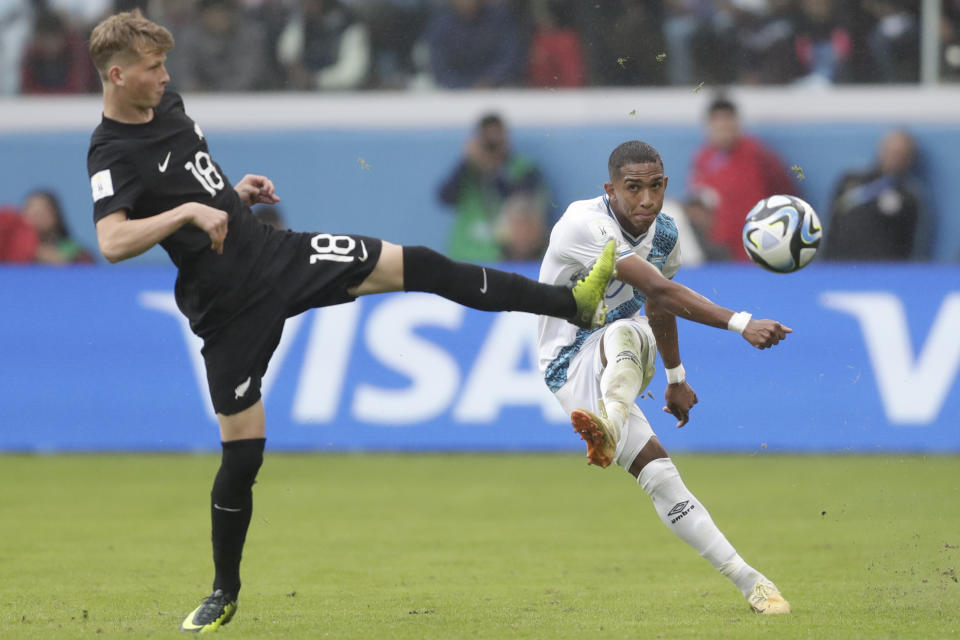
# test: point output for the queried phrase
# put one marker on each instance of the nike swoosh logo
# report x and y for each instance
(364, 247)
(188, 625)
(163, 165)
(219, 508)
(483, 289)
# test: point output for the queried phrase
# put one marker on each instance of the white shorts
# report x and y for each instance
(582, 388)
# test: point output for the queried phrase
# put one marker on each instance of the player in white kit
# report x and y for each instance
(598, 374)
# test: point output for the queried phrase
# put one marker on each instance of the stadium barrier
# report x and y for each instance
(99, 359)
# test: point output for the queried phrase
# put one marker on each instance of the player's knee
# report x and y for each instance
(650, 452)
(241, 462)
(625, 372)
(635, 438)
(638, 349)
(239, 409)
(621, 341)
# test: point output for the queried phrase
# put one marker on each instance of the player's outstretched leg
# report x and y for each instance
(215, 611)
(490, 289)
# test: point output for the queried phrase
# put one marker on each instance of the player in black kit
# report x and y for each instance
(154, 182)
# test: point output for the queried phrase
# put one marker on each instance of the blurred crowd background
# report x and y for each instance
(498, 196)
(276, 45)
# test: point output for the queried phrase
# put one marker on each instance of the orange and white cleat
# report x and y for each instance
(765, 598)
(598, 433)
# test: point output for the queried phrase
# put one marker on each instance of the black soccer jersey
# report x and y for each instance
(145, 169)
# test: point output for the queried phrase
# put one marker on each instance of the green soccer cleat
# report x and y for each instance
(765, 598)
(214, 612)
(589, 293)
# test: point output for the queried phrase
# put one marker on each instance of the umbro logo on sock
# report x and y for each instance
(680, 509)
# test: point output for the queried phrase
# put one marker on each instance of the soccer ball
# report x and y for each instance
(782, 233)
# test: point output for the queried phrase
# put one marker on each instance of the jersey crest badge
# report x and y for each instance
(601, 230)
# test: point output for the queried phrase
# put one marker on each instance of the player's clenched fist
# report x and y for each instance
(680, 399)
(765, 333)
(254, 189)
(213, 221)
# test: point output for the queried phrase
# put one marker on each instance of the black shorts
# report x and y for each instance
(301, 271)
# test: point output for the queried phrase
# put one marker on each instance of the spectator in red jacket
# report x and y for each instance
(42, 211)
(556, 55)
(738, 170)
(18, 240)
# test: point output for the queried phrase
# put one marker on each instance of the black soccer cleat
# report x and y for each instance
(216, 610)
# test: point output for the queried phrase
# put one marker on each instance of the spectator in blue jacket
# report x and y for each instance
(475, 44)
(879, 214)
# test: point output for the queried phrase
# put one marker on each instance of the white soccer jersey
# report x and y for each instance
(575, 242)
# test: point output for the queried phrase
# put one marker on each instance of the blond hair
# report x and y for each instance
(128, 35)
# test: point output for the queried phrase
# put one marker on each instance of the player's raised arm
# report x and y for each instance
(121, 238)
(686, 303)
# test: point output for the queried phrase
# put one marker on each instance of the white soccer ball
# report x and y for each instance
(782, 233)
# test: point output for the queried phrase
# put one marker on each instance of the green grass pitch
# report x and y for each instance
(480, 546)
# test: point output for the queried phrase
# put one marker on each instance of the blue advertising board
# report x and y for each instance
(99, 359)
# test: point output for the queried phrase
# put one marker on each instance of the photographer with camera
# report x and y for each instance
(488, 174)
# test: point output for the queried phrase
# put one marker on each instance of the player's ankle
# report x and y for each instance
(741, 574)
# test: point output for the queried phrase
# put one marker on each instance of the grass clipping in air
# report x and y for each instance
(480, 546)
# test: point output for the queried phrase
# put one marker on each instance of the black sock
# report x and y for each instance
(482, 287)
(231, 505)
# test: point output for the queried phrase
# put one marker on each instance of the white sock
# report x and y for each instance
(622, 378)
(688, 519)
